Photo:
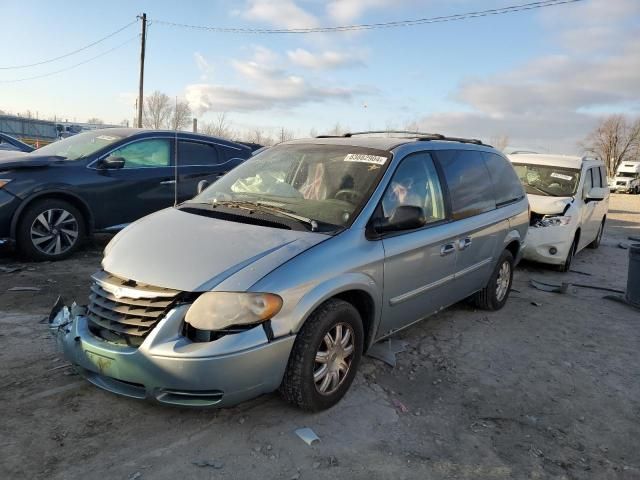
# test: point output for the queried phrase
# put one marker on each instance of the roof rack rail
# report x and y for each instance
(420, 136)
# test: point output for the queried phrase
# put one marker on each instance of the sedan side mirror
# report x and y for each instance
(404, 217)
(596, 194)
(114, 163)
(202, 184)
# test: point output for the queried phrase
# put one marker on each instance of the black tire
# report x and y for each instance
(492, 297)
(298, 385)
(566, 266)
(598, 239)
(63, 242)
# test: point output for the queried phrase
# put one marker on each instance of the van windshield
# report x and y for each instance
(324, 183)
(626, 174)
(548, 180)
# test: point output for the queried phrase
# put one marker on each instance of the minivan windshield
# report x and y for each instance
(79, 146)
(548, 180)
(327, 184)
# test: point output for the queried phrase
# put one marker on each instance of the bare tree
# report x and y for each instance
(157, 110)
(615, 139)
(180, 116)
(95, 121)
(285, 135)
(220, 127)
(337, 129)
(124, 123)
(499, 142)
(313, 132)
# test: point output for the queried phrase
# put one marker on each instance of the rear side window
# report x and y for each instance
(506, 184)
(603, 175)
(469, 182)
(196, 153)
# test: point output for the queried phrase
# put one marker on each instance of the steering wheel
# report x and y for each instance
(350, 195)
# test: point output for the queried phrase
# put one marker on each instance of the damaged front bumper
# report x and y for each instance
(543, 241)
(169, 368)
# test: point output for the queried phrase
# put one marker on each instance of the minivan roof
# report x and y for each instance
(566, 161)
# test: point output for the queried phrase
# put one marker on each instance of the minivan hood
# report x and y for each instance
(188, 252)
(545, 205)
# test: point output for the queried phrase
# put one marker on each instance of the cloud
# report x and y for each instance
(268, 87)
(551, 100)
(279, 13)
(323, 60)
(203, 65)
(345, 11)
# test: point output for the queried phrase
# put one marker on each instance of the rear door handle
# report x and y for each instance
(464, 243)
(168, 182)
(447, 248)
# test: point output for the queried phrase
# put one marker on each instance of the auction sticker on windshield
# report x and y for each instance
(561, 176)
(362, 158)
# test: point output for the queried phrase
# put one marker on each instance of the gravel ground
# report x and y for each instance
(549, 389)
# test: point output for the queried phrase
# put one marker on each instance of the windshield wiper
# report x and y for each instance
(538, 189)
(313, 225)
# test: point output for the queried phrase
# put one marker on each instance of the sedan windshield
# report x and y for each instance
(79, 146)
(548, 180)
(322, 184)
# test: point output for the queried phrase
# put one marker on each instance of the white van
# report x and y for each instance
(569, 200)
(627, 179)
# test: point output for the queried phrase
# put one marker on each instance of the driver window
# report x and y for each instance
(145, 153)
(415, 183)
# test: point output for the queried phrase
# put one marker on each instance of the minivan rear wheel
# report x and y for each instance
(495, 294)
(325, 357)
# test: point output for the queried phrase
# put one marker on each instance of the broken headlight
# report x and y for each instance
(552, 221)
(220, 310)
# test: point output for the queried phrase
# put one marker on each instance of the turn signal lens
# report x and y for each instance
(4, 181)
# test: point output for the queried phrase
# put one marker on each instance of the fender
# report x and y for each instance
(296, 317)
(54, 192)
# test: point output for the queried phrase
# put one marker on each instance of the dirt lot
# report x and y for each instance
(534, 391)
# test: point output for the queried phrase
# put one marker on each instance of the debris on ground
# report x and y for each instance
(307, 435)
(536, 304)
(624, 246)
(10, 269)
(24, 289)
(386, 350)
(549, 287)
(580, 273)
(134, 476)
(209, 463)
(634, 239)
(401, 407)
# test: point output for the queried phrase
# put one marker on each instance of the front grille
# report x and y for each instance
(123, 311)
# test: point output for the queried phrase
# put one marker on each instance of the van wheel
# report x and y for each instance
(50, 229)
(494, 295)
(325, 357)
(566, 266)
(598, 239)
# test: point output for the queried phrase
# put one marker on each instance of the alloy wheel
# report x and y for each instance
(54, 231)
(333, 358)
(503, 280)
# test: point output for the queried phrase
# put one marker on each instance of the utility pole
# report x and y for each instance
(141, 86)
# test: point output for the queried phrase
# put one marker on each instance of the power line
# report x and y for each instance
(372, 26)
(70, 53)
(73, 66)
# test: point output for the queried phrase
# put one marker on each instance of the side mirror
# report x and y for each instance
(596, 194)
(114, 163)
(404, 217)
(202, 184)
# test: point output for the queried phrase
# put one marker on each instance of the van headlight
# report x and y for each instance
(553, 221)
(220, 310)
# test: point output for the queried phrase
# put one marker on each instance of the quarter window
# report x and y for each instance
(469, 182)
(196, 153)
(145, 153)
(588, 182)
(415, 183)
(506, 184)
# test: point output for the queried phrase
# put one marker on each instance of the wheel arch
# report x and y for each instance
(72, 198)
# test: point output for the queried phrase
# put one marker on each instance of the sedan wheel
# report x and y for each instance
(54, 231)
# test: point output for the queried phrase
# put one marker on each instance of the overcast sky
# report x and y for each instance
(541, 77)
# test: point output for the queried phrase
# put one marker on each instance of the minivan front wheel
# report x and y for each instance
(494, 295)
(325, 357)
(50, 229)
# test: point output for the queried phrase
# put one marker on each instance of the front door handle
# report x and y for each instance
(447, 248)
(168, 182)
(464, 243)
